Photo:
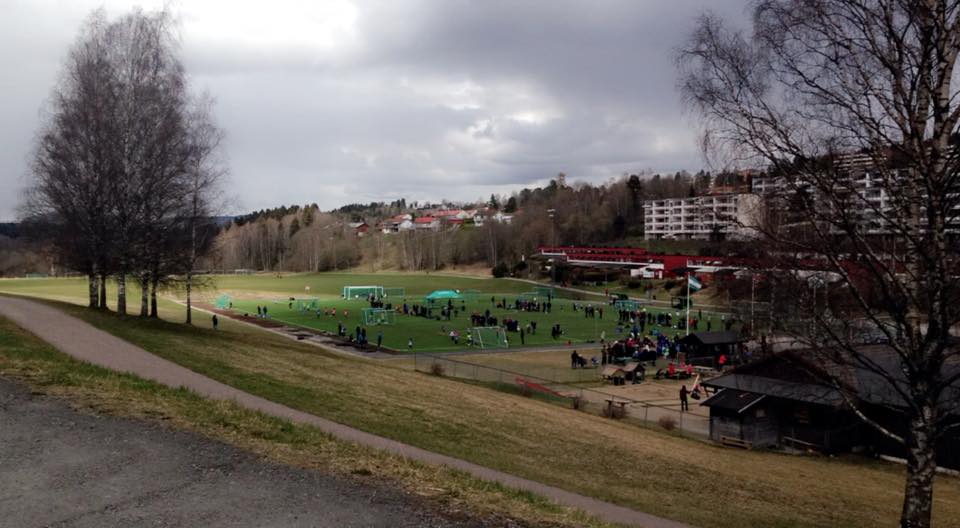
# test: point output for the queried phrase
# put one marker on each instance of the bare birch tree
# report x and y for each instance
(829, 95)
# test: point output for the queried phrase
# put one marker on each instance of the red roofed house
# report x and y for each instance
(427, 222)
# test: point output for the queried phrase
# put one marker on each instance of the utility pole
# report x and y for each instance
(686, 323)
(553, 241)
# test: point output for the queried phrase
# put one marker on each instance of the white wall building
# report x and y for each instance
(870, 201)
(697, 217)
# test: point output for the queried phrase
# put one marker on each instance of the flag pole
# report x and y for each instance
(687, 322)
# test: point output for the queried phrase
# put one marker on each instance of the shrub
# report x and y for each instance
(633, 284)
(667, 422)
(669, 285)
(500, 270)
(577, 403)
(437, 369)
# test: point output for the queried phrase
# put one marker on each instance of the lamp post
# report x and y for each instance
(553, 241)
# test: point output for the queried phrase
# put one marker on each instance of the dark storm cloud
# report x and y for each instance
(340, 101)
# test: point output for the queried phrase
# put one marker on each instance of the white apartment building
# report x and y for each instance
(870, 200)
(697, 217)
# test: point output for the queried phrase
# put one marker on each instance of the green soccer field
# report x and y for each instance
(433, 334)
(429, 335)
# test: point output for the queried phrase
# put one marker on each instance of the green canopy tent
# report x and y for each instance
(442, 295)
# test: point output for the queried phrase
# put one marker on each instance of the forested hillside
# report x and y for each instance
(303, 238)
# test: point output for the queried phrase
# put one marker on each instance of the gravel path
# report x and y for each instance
(81, 340)
(60, 467)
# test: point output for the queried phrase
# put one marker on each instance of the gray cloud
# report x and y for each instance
(341, 101)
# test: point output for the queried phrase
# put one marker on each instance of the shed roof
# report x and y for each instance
(793, 375)
(733, 400)
(611, 370)
(713, 338)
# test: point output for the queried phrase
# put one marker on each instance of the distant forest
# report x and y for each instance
(304, 238)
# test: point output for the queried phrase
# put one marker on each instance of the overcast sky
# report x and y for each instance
(340, 101)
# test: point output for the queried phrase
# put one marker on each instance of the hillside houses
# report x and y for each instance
(492, 215)
(396, 224)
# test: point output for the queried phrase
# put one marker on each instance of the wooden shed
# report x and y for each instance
(780, 401)
(705, 348)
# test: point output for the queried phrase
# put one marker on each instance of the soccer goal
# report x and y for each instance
(545, 291)
(393, 293)
(627, 305)
(354, 292)
(489, 337)
(531, 296)
(378, 316)
(308, 304)
(223, 302)
(471, 295)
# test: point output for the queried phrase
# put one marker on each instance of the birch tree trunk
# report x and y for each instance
(921, 468)
(103, 292)
(122, 293)
(94, 302)
(154, 284)
(144, 294)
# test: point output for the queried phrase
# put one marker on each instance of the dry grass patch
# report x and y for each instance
(654, 472)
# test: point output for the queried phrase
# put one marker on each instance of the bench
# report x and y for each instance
(736, 442)
(616, 412)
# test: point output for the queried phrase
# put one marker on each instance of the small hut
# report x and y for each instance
(614, 374)
(705, 348)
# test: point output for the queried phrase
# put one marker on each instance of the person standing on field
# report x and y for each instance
(216, 321)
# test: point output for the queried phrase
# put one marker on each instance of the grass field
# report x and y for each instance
(645, 469)
(432, 335)
(428, 335)
(653, 471)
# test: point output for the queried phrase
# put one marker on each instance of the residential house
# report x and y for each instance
(359, 228)
(427, 223)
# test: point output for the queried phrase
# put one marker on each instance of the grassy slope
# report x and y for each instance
(25, 357)
(652, 471)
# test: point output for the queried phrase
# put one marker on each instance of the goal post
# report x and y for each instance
(489, 337)
(378, 316)
(394, 292)
(308, 304)
(627, 305)
(545, 291)
(354, 292)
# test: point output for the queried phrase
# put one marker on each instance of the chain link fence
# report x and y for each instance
(580, 398)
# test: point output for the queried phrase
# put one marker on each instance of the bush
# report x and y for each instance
(437, 369)
(667, 422)
(500, 270)
(577, 403)
(633, 284)
(669, 285)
